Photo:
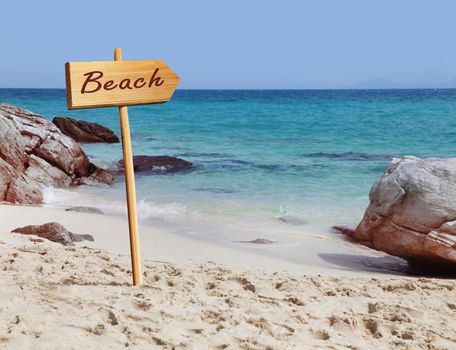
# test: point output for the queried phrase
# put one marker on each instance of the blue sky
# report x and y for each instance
(235, 44)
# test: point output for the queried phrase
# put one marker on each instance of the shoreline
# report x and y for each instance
(306, 255)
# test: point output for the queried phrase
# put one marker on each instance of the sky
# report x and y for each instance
(235, 44)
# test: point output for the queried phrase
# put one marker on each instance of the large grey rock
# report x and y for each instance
(34, 152)
(412, 211)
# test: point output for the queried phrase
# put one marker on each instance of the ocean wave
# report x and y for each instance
(56, 197)
(203, 155)
(240, 165)
(289, 167)
(351, 156)
(223, 164)
(143, 136)
(215, 190)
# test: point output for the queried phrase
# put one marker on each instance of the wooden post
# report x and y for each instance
(130, 187)
(96, 84)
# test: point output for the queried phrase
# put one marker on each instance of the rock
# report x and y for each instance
(55, 232)
(412, 212)
(82, 131)
(346, 231)
(158, 164)
(92, 210)
(35, 153)
(51, 231)
(83, 237)
(23, 191)
(44, 173)
(14, 146)
(98, 175)
(71, 161)
(292, 220)
(257, 241)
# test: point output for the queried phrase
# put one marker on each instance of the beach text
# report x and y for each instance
(94, 82)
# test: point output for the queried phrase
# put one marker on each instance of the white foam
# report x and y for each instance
(57, 197)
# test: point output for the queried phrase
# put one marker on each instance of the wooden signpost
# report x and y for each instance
(121, 83)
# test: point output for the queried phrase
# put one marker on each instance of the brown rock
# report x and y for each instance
(70, 158)
(34, 152)
(52, 231)
(7, 174)
(257, 241)
(346, 231)
(98, 175)
(23, 191)
(82, 131)
(13, 145)
(158, 164)
(44, 173)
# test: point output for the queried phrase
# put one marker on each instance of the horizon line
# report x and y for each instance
(267, 89)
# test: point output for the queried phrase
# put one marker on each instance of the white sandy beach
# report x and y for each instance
(197, 295)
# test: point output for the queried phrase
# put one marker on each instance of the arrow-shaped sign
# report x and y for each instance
(118, 83)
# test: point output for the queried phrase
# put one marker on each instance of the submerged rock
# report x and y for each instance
(158, 164)
(350, 156)
(257, 241)
(82, 209)
(53, 231)
(82, 131)
(412, 212)
(34, 152)
(292, 220)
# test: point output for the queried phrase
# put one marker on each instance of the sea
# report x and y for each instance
(267, 163)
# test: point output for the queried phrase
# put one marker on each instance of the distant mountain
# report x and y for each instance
(450, 84)
(389, 84)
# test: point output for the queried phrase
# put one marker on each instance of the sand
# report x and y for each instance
(201, 296)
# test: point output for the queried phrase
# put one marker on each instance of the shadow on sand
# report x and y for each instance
(388, 265)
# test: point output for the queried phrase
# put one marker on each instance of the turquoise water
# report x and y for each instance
(309, 157)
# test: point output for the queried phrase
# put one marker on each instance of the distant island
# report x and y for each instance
(380, 83)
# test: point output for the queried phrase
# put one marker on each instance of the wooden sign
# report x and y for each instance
(121, 83)
(118, 83)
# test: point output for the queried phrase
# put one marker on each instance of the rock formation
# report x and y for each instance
(53, 231)
(82, 131)
(158, 164)
(34, 152)
(412, 212)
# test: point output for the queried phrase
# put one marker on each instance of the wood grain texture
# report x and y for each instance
(130, 83)
(130, 188)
